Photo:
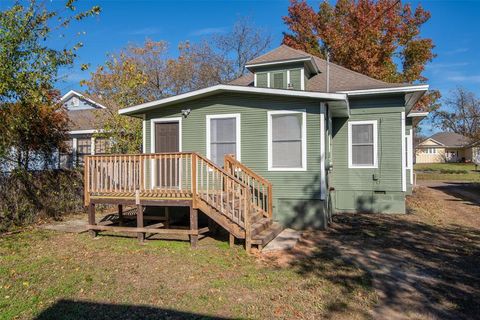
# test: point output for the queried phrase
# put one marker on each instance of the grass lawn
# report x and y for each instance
(447, 171)
(49, 275)
(422, 265)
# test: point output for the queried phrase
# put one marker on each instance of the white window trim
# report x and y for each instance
(404, 166)
(144, 135)
(237, 133)
(163, 120)
(152, 142)
(323, 182)
(92, 146)
(302, 78)
(74, 151)
(304, 140)
(410, 154)
(375, 144)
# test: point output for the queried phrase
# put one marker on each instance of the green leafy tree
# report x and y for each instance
(31, 122)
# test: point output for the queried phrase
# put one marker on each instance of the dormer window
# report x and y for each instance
(281, 79)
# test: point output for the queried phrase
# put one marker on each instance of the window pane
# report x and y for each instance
(262, 80)
(219, 150)
(223, 130)
(295, 79)
(278, 81)
(84, 146)
(102, 145)
(362, 155)
(223, 134)
(362, 133)
(287, 127)
(287, 154)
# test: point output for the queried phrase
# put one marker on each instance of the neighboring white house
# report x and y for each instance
(446, 147)
(83, 113)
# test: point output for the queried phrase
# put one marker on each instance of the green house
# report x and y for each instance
(328, 139)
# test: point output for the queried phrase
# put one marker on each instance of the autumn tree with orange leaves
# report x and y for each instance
(380, 39)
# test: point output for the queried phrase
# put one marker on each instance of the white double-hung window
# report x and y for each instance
(287, 143)
(362, 144)
(223, 137)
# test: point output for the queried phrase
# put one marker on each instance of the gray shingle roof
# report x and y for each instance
(450, 139)
(87, 119)
(283, 52)
(341, 79)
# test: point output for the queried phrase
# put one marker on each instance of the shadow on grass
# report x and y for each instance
(73, 310)
(417, 268)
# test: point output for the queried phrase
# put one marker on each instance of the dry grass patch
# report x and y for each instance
(49, 275)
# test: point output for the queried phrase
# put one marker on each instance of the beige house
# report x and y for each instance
(446, 147)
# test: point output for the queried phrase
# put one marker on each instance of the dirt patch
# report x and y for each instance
(424, 264)
(450, 203)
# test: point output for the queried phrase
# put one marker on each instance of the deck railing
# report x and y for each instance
(260, 188)
(169, 174)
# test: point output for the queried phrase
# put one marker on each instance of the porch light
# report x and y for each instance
(186, 112)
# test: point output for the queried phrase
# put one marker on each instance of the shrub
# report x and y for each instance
(453, 171)
(27, 196)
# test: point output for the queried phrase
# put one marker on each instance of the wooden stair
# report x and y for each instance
(259, 229)
(264, 230)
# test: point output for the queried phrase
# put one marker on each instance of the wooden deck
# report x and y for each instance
(234, 197)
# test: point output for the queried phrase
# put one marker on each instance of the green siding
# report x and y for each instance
(297, 201)
(297, 193)
(362, 189)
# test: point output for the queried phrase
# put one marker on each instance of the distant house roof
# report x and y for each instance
(341, 79)
(82, 95)
(449, 139)
(84, 119)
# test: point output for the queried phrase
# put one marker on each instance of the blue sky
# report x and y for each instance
(454, 27)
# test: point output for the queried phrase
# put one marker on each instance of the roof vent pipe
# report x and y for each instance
(327, 54)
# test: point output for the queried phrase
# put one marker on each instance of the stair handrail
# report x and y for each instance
(232, 165)
(229, 187)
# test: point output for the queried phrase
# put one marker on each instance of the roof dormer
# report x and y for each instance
(283, 68)
(293, 78)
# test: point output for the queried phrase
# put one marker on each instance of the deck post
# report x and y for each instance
(120, 215)
(193, 227)
(231, 240)
(194, 179)
(140, 235)
(91, 218)
(248, 234)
